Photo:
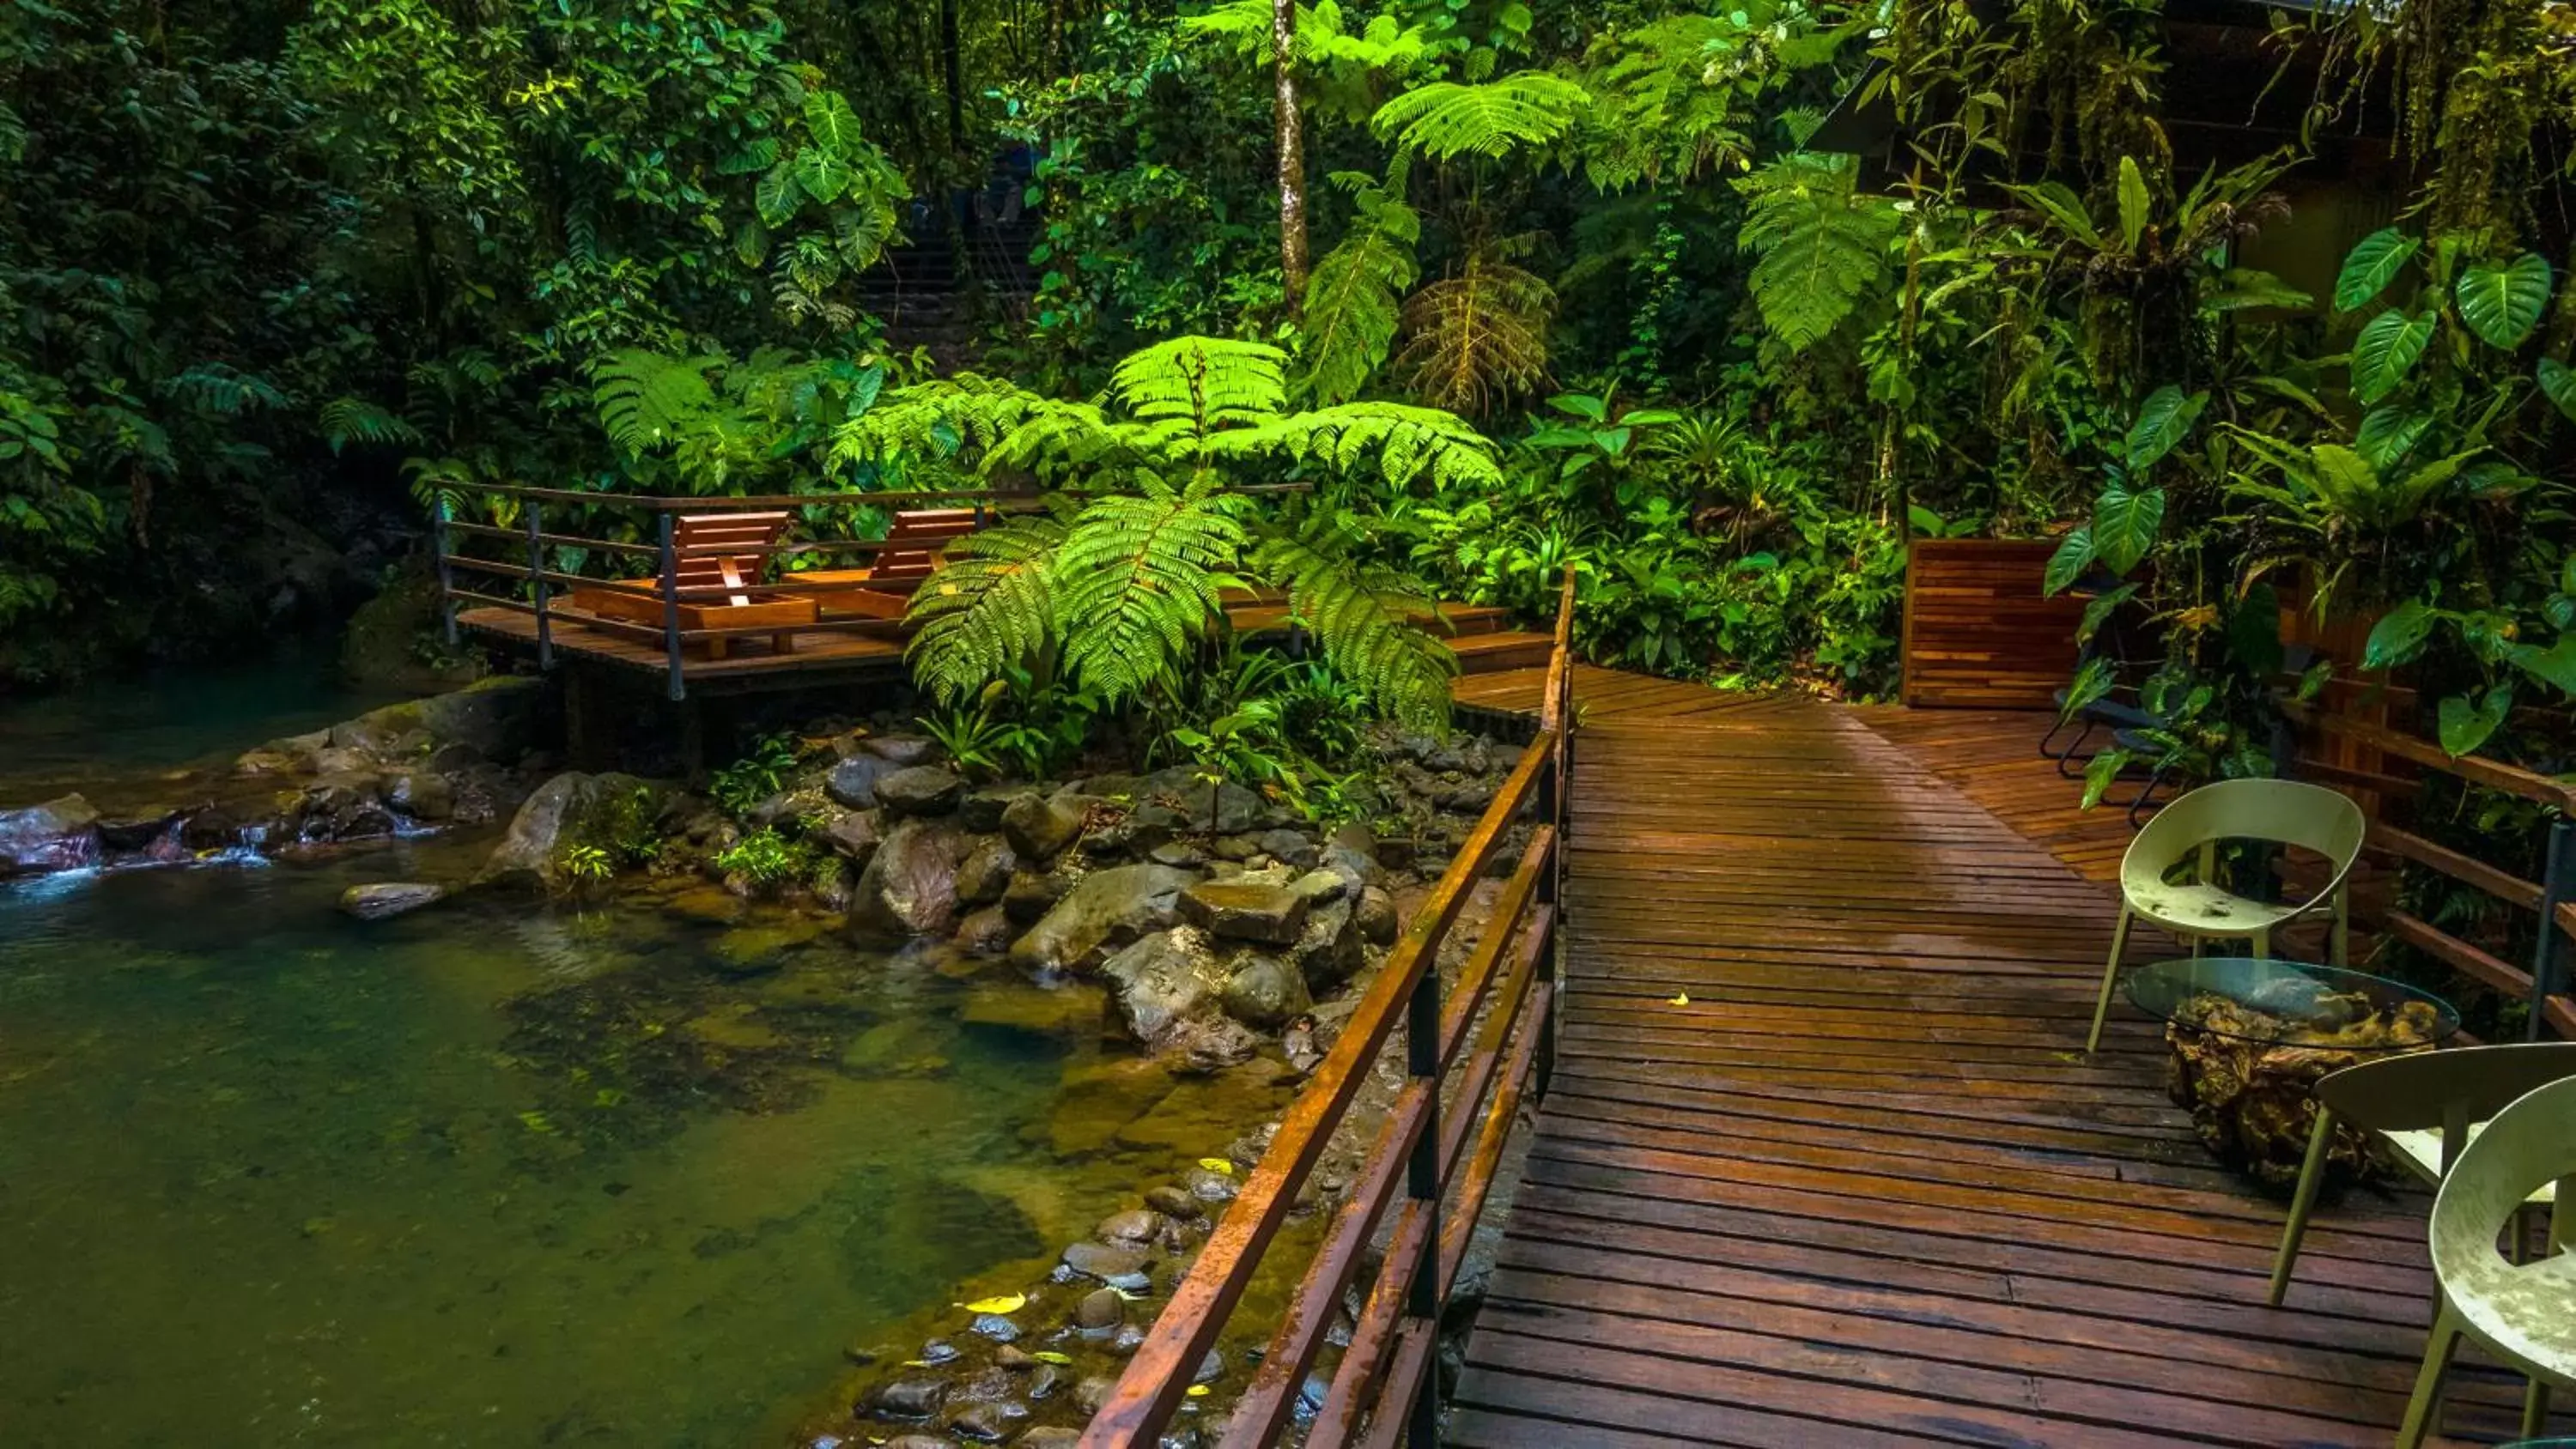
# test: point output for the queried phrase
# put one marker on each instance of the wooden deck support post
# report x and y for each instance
(679, 688)
(441, 542)
(2557, 885)
(537, 582)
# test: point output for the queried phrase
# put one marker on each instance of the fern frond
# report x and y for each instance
(1139, 577)
(1369, 626)
(995, 424)
(1354, 297)
(1478, 338)
(1409, 444)
(1447, 119)
(1821, 244)
(1204, 382)
(992, 604)
(646, 399)
(1667, 108)
(347, 420)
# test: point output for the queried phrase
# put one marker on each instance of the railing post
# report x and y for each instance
(679, 688)
(2556, 888)
(537, 581)
(1422, 1184)
(446, 572)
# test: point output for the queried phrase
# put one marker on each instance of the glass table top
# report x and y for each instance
(2291, 1003)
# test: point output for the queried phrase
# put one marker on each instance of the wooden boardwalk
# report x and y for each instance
(1823, 1164)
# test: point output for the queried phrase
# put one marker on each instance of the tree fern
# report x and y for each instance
(992, 604)
(1821, 244)
(1447, 119)
(1408, 443)
(1479, 338)
(347, 420)
(1354, 298)
(1206, 383)
(1140, 577)
(647, 400)
(1368, 623)
(1667, 105)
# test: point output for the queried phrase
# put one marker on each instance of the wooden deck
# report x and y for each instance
(1861, 1189)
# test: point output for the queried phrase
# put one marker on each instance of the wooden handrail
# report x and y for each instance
(1383, 1387)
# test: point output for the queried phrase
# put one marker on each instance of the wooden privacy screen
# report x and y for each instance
(1979, 631)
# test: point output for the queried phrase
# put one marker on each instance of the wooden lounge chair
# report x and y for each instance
(710, 550)
(914, 547)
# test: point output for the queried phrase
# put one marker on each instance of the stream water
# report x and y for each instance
(497, 1173)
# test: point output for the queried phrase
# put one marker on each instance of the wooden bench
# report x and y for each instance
(915, 545)
(726, 551)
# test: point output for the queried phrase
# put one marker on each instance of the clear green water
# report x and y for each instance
(505, 1175)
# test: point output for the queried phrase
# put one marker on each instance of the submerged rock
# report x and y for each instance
(61, 834)
(389, 898)
(1107, 908)
(914, 1396)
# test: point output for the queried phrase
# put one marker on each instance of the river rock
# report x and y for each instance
(1117, 1267)
(1107, 908)
(1329, 949)
(902, 750)
(388, 898)
(986, 931)
(854, 834)
(983, 809)
(1031, 893)
(61, 834)
(1245, 910)
(987, 871)
(909, 1441)
(1174, 1202)
(1375, 916)
(921, 790)
(985, 1423)
(914, 1396)
(565, 811)
(995, 1327)
(1093, 1392)
(1159, 982)
(1209, 1185)
(910, 885)
(1100, 1310)
(1048, 1436)
(1265, 991)
(1292, 846)
(1201, 1045)
(1038, 826)
(420, 794)
(853, 782)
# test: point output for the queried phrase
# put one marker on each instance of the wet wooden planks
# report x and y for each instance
(1822, 1162)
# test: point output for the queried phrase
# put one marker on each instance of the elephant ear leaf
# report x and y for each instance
(2558, 383)
(2164, 420)
(2074, 555)
(2466, 724)
(2398, 634)
(2368, 268)
(2125, 525)
(2502, 301)
(2386, 351)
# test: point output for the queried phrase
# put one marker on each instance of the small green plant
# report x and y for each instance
(765, 858)
(633, 827)
(588, 864)
(975, 741)
(759, 774)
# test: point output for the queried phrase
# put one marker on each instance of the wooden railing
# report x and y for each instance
(2552, 898)
(531, 583)
(1431, 1163)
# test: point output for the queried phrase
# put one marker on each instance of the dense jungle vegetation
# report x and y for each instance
(1719, 304)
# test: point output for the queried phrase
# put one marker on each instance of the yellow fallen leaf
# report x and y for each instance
(1198, 1391)
(1218, 1165)
(1007, 1303)
(1681, 1000)
(1048, 1355)
(918, 1363)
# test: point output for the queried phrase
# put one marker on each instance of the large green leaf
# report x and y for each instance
(2367, 269)
(2387, 435)
(2555, 664)
(2396, 637)
(2099, 774)
(831, 122)
(2386, 351)
(2164, 420)
(2099, 611)
(2125, 525)
(2074, 555)
(2502, 301)
(2558, 384)
(2466, 724)
(823, 175)
(2133, 204)
(776, 194)
(2062, 206)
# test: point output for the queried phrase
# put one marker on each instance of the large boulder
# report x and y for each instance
(910, 885)
(1161, 981)
(920, 790)
(1245, 909)
(496, 718)
(1106, 909)
(1039, 826)
(61, 834)
(569, 810)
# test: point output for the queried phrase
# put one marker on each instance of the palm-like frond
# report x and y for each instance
(1205, 383)
(1139, 577)
(1367, 621)
(1447, 119)
(992, 604)
(347, 420)
(1409, 443)
(1353, 299)
(648, 399)
(1821, 243)
(1478, 338)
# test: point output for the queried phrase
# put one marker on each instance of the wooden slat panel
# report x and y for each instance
(1979, 630)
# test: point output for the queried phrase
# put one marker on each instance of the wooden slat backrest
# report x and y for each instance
(727, 549)
(919, 535)
(1981, 631)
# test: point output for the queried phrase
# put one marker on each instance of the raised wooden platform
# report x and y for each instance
(1823, 1163)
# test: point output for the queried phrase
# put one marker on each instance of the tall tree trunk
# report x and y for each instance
(1292, 155)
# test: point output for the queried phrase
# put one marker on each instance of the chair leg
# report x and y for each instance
(2110, 978)
(2426, 1406)
(2339, 946)
(2262, 945)
(2535, 1410)
(2312, 1174)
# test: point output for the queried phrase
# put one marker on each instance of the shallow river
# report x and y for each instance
(494, 1174)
